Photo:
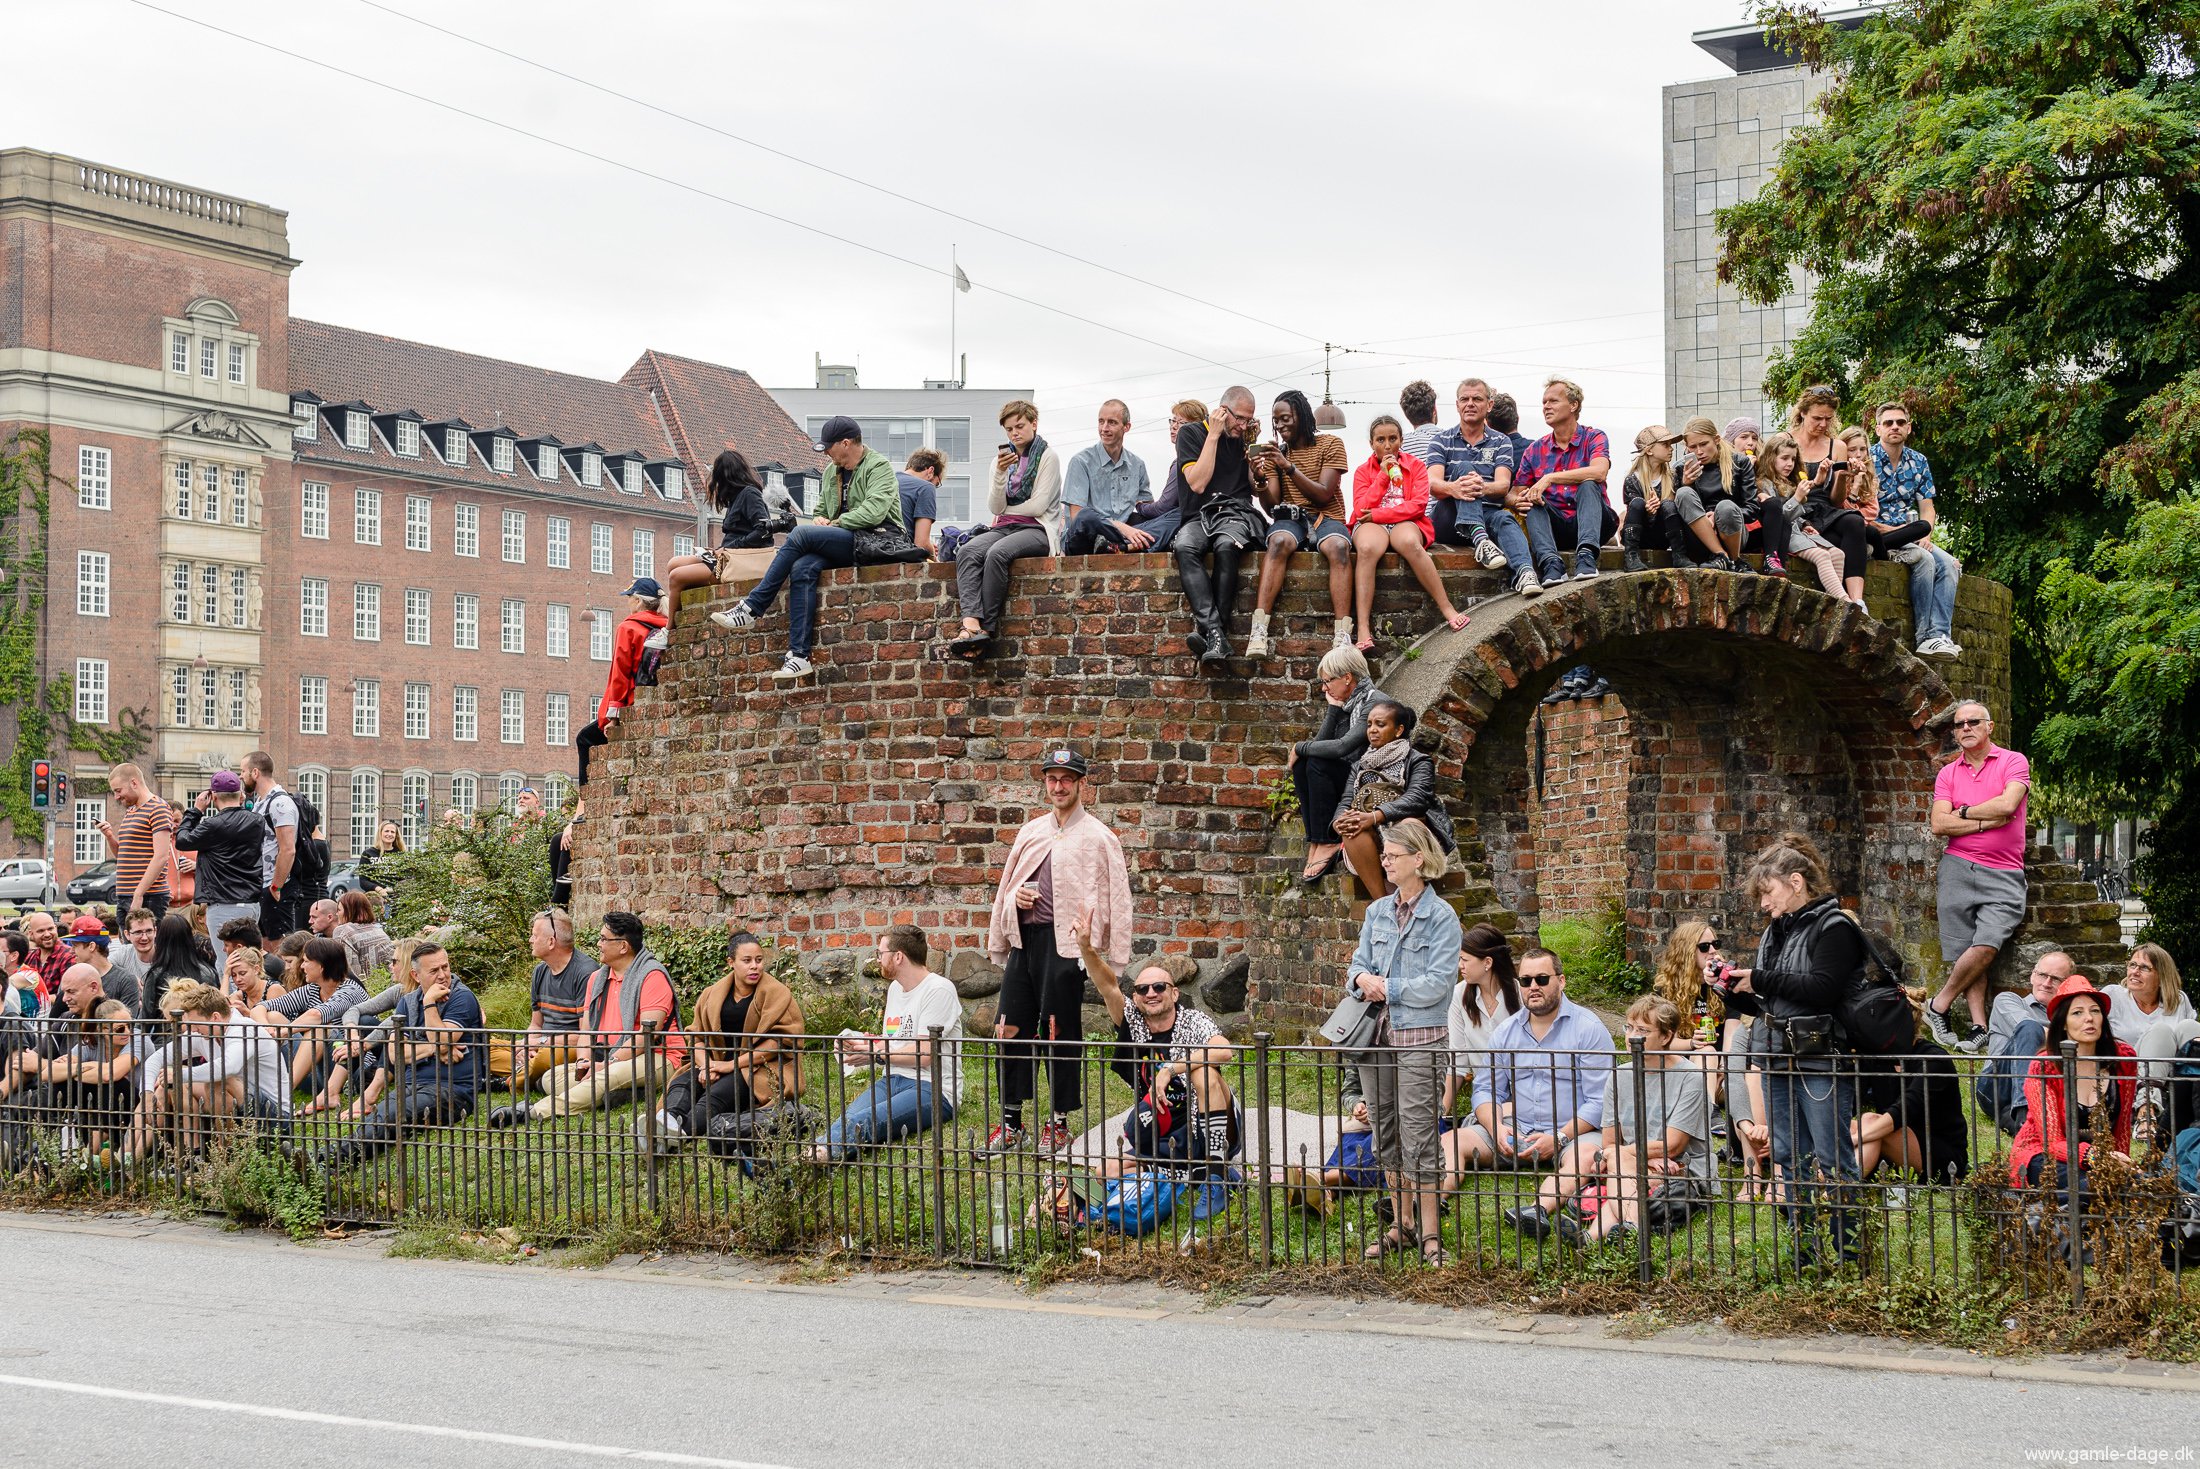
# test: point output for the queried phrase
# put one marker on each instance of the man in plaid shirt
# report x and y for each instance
(1559, 487)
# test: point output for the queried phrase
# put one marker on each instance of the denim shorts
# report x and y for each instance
(1303, 535)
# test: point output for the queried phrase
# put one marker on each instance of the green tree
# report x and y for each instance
(2000, 204)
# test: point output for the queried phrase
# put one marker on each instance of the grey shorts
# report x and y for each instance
(1978, 906)
(1726, 516)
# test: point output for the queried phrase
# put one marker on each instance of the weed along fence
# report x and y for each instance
(1297, 1191)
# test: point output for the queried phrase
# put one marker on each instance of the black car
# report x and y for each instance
(93, 884)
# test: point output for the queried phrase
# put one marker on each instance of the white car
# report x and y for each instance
(27, 880)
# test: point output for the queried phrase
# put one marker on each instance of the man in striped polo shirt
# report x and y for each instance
(142, 842)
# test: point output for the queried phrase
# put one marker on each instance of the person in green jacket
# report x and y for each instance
(858, 493)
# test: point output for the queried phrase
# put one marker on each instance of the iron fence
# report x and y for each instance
(1780, 1168)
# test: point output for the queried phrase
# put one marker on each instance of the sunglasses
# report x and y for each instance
(1969, 723)
(1536, 981)
(1151, 989)
(1707, 946)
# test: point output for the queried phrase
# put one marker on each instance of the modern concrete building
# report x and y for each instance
(962, 423)
(1722, 137)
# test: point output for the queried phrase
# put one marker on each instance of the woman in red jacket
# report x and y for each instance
(2107, 1084)
(1390, 517)
(628, 645)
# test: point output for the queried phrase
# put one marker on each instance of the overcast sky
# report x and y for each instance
(1470, 187)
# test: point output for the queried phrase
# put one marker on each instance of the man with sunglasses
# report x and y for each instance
(1906, 495)
(1979, 801)
(1218, 518)
(1172, 1056)
(1541, 1098)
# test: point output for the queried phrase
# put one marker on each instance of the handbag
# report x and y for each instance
(879, 544)
(1806, 1035)
(1351, 1026)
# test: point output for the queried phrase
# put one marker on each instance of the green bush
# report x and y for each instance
(478, 887)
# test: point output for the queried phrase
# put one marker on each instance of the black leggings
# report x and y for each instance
(1771, 535)
(1042, 996)
(1647, 532)
(589, 738)
(1320, 786)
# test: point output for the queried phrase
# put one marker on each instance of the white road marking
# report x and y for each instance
(383, 1425)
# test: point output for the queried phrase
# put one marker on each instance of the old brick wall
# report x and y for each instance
(1582, 751)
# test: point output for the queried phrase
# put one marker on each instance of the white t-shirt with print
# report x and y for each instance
(911, 1014)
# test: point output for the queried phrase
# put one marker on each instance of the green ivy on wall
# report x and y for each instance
(36, 707)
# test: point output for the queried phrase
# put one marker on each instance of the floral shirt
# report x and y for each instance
(1901, 486)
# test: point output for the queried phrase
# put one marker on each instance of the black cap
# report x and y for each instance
(644, 586)
(1062, 757)
(839, 426)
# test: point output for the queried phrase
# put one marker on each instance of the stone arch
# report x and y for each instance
(1755, 705)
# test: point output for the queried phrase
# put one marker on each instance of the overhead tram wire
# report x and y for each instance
(655, 177)
(829, 170)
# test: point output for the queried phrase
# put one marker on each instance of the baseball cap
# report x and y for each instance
(644, 586)
(1062, 757)
(225, 782)
(88, 930)
(839, 426)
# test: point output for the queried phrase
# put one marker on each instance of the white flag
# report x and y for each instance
(962, 282)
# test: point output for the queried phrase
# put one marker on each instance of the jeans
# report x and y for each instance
(1457, 522)
(1583, 530)
(1090, 533)
(1811, 1107)
(1496, 522)
(895, 1107)
(1162, 528)
(1933, 577)
(803, 556)
(220, 914)
(424, 1106)
(2000, 1084)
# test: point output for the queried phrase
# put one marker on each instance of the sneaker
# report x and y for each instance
(737, 618)
(1530, 1219)
(1256, 642)
(1557, 578)
(669, 1125)
(1340, 633)
(1527, 585)
(1586, 571)
(1936, 1024)
(1000, 1142)
(796, 666)
(510, 1117)
(1955, 649)
(1053, 1137)
(1973, 1044)
(1774, 566)
(1488, 557)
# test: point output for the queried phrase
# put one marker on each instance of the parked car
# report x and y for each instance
(27, 880)
(94, 884)
(342, 880)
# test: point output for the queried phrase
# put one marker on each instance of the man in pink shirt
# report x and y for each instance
(1979, 806)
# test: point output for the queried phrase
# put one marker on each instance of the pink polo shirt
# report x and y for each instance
(1959, 785)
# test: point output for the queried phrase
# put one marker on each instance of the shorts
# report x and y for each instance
(1302, 535)
(1978, 905)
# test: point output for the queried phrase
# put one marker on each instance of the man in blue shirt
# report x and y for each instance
(1906, 495)
(1541, 1097)
(919, 482)
(1103, 485)
(441, 1052)
(1470, 470)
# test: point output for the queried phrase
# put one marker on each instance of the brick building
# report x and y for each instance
(394, 566)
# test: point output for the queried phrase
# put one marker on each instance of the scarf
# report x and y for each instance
(1386, 762)
(1025, 474)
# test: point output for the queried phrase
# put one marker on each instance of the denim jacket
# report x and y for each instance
(1419, 966)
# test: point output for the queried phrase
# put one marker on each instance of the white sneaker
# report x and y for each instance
(737, 618)
(669, 1125)
(794, 667)
(1256, 642)
(1936, 648)
(1936, 1024)
(1953, 648)
(1340, 633)
(1527, 585)
(1487, 556)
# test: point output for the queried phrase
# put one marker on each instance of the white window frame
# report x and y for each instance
(645, 552)
(512, 717)
(210, 594)
(313, 607)
(547, 462)
(419, 626)
(95, 476)
(91, 691)
(181, 579)
(599, 549)
(514, 539)
(210, 493)
(512, 625)
(313, 705)
(466, 621)
(592, 470)
(311, 784)
(210, 699)
(182, 479)
(466, 530)
(416, 788)
(675, 483)
(313, 511)
(557, 719)
(418, 696)
(465, 792)
(179, 696)
(179, 353)
(683, 544)
(465, 713)
(366, 516)
(93, 569)
(366, 802)
(632, 478)
(454, 447)
(366, 612)
(500, 454)
(238, 705)
(557, 631)
(358, 433)
(308, 416)
(408, 438)
(419, 523)
(240, 498)
(86, 845)
(209, 358)
(366, 708)
(558, 545)
(236, 363)
(240, 597)
(600, 632)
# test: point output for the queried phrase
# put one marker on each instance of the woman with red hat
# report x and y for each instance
(2107, 1084)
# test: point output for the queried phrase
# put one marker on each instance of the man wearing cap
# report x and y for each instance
(1065, 871)
(629, 646)
(141, 842)
(858, 492)
(227, 839)
(88, 941)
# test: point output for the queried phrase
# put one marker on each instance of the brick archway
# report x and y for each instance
(1755, 706)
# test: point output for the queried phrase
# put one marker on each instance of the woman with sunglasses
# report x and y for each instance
(1687, 966)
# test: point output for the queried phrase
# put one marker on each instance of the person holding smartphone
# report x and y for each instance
(1218, 518)
(1027, 521)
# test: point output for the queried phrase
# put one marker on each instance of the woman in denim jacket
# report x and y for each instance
(1407, 961)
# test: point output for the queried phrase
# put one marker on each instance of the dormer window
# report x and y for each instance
(546, 462)
(675, 483)
(408, 438)
(500, 454)
(592, 470)
(454, 447)
(308, 415)
(355, 429)
(631, 481)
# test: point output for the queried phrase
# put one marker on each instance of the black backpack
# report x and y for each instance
(1876, 1011)
(309, 859)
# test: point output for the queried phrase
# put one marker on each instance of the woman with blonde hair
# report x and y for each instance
(1717, 496)
(363, 1053)
(1648, 494)
(1813, 422)
(1779, 467)
(1686, 967)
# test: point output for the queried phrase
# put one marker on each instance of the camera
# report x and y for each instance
(1721, 977)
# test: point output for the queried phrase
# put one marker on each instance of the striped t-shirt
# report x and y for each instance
(134, 847)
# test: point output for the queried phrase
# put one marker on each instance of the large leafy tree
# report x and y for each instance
(2000, 208)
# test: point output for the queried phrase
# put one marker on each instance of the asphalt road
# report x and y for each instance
(184, 1348)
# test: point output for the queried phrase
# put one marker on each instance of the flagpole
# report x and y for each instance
(954, 274)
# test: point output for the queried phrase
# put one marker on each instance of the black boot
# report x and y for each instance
(1630, 546)
(1199, 595)
(1226, 585)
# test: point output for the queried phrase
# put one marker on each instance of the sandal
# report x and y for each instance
(1365, 645)
(1313, 878)
(970, 645)
(1396, 1240)
(1433, 1254)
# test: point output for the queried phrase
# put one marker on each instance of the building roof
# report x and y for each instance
(708, 407)
(1743, 48)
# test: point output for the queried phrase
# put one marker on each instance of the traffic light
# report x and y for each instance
(41, 783)
(61, 790)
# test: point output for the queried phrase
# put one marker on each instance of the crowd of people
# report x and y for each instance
(1540, 510)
